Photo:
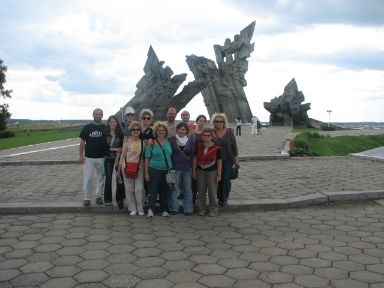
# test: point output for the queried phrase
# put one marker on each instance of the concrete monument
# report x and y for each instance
(287, 110)
(223, 91)
(156, 89)
(221, 87)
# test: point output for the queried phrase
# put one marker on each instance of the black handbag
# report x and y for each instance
(234, 172)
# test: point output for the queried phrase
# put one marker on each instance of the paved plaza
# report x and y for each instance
(291, 222)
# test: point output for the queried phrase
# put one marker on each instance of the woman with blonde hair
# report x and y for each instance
(157, 163)
(225, 138)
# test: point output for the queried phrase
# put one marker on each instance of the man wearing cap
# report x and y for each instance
(129, 116)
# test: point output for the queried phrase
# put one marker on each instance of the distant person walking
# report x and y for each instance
(93, 147)
(239, 123)
(255, 124)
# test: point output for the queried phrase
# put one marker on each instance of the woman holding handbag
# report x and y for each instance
(224, 137)
(132, 165)
(157, 164)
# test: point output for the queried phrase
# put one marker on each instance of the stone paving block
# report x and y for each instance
(296, 269)
(119, 281)
(36, 267)
(8, 274)
(233, 263)
(348, 265)
(217, 281)
(95, 254)
(242, 273)
(183, 277)
(311, 281)
(121, 268)
(151, 273)
(29, 279)
(64, 282)
(63, 271)
(149, 262)
(154, 283)
(367, 276)
(331, 273)
(377, 268)
(91, 276)
(121, 258)
(147, 252)
(275, 277)
(174, 255)
(284, 260)
(315, 262)
(209, 269)
(93, 264)
(364, 259)
(178, 265)
(350, 283)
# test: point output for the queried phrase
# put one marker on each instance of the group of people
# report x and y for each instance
(256, 126)
(200, 155)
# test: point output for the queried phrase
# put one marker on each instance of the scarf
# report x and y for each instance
(182, 141)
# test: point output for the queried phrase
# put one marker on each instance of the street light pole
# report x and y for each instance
(329, 116)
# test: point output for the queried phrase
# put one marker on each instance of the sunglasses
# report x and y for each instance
(146, 118)
(130, 114)
(219, 121)
(135, 129)
(207, 135)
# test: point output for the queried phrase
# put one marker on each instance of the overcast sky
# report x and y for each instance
(65, 58)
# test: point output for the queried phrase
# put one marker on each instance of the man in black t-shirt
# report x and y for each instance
(93, 146)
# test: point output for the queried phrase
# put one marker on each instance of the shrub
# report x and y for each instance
(6, 134)
(327, 128)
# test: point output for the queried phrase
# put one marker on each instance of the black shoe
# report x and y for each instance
(86, 203)
(99, 201)
(188, 214)
(120, 204)
(172, 212)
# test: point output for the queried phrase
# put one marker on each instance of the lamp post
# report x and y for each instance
(329, 116)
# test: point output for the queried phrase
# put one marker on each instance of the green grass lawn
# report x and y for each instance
(38, 134)
(313, 144)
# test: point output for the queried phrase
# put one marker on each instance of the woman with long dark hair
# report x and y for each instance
(115, 136)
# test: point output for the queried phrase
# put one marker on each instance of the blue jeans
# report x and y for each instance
(225, 184)
(109, 166)
(158, 185)
(182, 186)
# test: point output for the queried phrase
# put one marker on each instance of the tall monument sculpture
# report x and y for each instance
(223, 91)
(221, 85)
(156, 89)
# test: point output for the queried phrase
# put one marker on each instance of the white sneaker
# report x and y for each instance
(133, 213)
(165, 214)
(150, 213)
(141, 214)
